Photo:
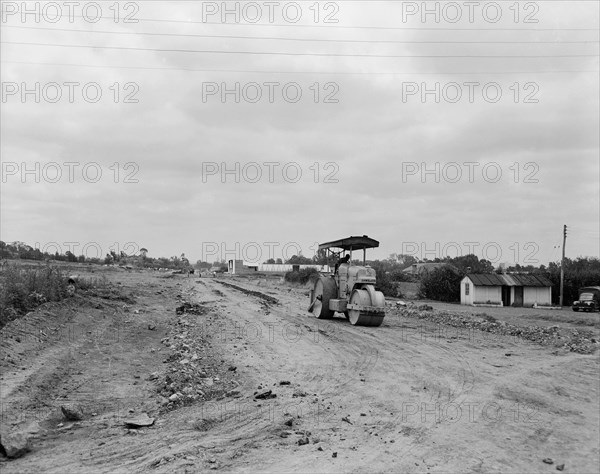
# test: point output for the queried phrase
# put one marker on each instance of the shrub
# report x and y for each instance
(402, 276)
(441, 284)
(385, 284)
(24, 289)
(303, 276)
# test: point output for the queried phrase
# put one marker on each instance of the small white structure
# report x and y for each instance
(238, 267)
(505, 290)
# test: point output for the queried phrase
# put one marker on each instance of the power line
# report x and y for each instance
(282, 53)
(295, 72)
(281, 38)
(335, 26)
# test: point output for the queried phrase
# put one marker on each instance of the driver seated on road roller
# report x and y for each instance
(345, 259)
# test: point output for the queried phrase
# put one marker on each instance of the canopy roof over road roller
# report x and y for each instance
(351, 243)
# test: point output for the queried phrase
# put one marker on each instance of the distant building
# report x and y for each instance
(419, 269)
(505, 290)
(239, 267)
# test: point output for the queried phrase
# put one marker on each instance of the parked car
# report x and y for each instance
(589, 299)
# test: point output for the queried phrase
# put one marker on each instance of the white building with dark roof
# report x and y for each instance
(505, 290)
(238, 267)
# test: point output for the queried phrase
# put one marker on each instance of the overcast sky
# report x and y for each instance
(447, 133)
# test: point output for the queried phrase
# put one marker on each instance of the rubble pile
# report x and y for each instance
(581, 342)
(193, 308)
(193, 371)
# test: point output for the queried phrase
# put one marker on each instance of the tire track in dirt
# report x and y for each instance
(355, 354)
(261, 330)
(363, 340)
(37, 389)
(368, 342)
(98, 366)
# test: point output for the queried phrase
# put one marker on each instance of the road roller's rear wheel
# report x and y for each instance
(325, 289)
(366, 298)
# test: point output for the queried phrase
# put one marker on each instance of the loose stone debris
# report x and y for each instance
(573, 340)
(139, 421)
(14, 445)
(265, 395)
(72, 413)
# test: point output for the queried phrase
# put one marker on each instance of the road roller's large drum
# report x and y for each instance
(366, 307)
(324, 290)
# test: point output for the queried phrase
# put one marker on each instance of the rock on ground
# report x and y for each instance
(14, 445)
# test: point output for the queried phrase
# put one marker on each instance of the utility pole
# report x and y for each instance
(562, 265)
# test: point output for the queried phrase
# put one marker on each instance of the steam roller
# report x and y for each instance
(351, 288)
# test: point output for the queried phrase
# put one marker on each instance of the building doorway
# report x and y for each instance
(506, 296)
(518, 296)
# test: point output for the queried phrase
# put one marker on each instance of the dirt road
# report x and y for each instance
(409, 396)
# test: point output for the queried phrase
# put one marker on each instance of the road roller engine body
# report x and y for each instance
(351, 288)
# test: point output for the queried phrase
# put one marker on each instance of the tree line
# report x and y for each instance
(441, 284)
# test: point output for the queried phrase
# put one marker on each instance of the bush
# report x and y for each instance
(303, 276)
(402, 276)
(23, 289)
(442, 284)
(385, 284)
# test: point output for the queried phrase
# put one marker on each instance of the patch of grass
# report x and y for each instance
(89, 283)
(25, 288)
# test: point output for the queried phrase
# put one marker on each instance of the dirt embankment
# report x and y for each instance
(239, 377)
